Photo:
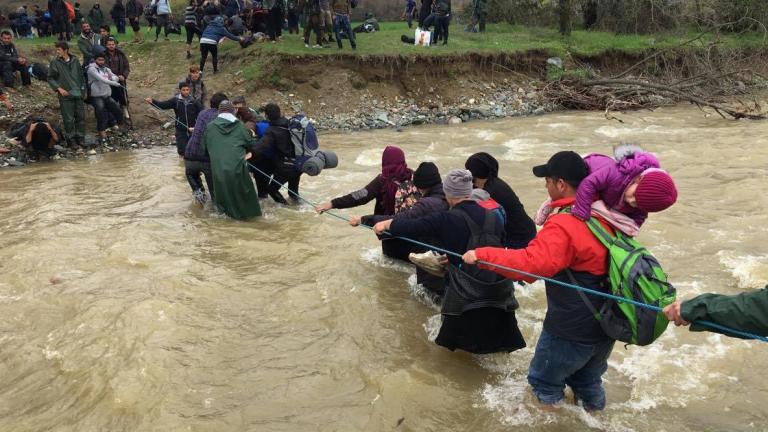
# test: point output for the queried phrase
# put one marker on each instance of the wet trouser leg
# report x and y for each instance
(182, 136)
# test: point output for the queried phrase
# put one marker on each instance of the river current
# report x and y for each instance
(125, 307)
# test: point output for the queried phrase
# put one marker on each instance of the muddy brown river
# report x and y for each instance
(124, 307)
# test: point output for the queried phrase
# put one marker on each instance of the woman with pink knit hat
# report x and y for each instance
(632, 184)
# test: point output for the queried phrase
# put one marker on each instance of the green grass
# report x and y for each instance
(500, 38)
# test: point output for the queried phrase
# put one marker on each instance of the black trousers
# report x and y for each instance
(313, 23)
(161, 23)
(7, 70)
(192, 30)
(214, 50)
(104, 107)
(275, 23)
(194, 170)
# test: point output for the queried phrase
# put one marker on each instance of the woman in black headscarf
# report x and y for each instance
(519, 228)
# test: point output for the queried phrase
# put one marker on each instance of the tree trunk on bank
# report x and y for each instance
(566, 23)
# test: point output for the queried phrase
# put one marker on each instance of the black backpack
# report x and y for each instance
(468, 286)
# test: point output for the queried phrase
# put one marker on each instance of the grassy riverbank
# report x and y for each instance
(500, 38)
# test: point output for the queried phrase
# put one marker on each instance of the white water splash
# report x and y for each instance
(751, 271)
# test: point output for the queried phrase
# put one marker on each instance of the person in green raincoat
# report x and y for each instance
(228, 143)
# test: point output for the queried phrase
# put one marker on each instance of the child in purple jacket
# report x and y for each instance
(632, 184)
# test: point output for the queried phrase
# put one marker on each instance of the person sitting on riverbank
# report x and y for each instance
(395, 178)
(572, 349)
(746, 312)
(42, 138)
(632, 184)
(228, 143)
(520, 228)
(196, 159)
(478, 308)
(186, 110)
(37, 136)
(11, 61)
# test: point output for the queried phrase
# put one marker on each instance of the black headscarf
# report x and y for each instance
(482, 165)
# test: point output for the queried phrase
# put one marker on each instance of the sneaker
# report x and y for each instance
(318, 47)
(429, 261)
(306, 45)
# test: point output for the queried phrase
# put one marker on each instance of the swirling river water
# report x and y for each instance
(125, 307)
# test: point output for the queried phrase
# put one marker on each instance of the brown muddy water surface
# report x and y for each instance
(123, 307)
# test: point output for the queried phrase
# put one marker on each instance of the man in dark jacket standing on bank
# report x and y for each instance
(117, 62)
(277, 140)
(65, 76)
(11, 61)
(133, 11)
(342, 9)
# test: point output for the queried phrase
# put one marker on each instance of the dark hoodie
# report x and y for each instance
(276, 137)
(520, 228)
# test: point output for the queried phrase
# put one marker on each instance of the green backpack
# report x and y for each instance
(634, 274)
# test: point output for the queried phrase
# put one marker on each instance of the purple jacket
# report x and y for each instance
(195, 152)
(608, 179)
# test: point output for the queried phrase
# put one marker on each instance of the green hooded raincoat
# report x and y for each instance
(227, 142)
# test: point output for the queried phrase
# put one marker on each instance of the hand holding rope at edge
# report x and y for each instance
(327, 211)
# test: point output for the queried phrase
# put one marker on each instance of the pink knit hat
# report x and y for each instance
(656, 191)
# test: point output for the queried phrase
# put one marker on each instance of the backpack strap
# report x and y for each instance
(489, 225)
(583, 296)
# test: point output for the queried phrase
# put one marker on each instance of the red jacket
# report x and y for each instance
(563, 242)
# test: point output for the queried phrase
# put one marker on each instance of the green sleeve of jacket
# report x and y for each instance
(53, 76)
(746, 311)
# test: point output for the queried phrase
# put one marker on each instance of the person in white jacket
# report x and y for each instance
(100, 82)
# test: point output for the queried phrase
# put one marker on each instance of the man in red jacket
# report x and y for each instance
(572, 348)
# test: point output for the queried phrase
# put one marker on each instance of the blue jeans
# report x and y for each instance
(341, 22)
(558, 362)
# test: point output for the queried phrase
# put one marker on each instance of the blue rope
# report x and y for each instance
(657, 309)
(654, 308)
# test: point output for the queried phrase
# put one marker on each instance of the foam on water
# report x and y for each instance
(432, 326)
(369, 157)
(521, 149)
(422, 294)
(684, 369)
(376, 257)
(617, 132)
(751, 271)
(487, 135)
